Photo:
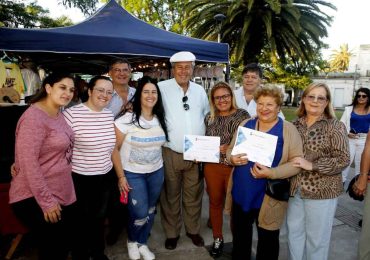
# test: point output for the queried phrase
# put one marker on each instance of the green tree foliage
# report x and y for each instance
(15, 14)
(165, 14)
(86, 6)
(339, 59)
(285, 27)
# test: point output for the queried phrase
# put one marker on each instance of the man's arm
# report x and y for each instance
(361, 183)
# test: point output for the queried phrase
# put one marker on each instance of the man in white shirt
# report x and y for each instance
(186, 105)
(120, 73)
(251, 80)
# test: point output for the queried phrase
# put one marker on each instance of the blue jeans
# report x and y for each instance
(142, 200)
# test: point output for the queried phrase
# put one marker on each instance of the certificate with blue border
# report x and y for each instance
(202, 148)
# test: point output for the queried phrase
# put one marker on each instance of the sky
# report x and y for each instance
(350, 23)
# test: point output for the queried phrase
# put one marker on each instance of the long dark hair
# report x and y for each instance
(158, 109)
(355, 100)
(51, 79)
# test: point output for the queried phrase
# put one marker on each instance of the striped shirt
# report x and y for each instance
(94, 139)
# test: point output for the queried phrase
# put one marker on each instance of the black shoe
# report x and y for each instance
(217, 247)
(171, 243)
(196, 239)
(112, 238)
(100, 257)
(360, 223)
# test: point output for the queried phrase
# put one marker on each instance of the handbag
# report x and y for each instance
(278, 189)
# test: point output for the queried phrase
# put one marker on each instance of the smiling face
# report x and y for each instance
(149, 96)
(267, 109)
(251, 81)
(222, 99)
(182, 72)
(101, 94)
(315, 101)
(61, 92)
(120, 74)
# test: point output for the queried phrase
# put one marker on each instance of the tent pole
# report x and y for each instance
(227, 74)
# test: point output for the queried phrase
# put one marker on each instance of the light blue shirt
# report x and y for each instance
(116, 103)
(179, 121)
(251, 107)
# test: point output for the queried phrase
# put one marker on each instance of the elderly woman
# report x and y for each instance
(249, 180)
(222, 121)
(316, 189)
(356, 118)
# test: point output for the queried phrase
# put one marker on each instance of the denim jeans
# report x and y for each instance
(142, 200)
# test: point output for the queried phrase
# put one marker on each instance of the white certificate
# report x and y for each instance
(259, 146)
(202, 148)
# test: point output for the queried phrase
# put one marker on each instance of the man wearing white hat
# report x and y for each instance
(185, 105)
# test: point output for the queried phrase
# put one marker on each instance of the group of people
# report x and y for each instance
(71, 165)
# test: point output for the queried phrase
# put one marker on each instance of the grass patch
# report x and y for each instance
(290, 113)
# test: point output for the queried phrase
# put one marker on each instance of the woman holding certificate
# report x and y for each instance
(316, 189)
(250, 203)
(223, 120)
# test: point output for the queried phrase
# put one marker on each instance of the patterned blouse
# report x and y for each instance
(225, 127)
(325, 144)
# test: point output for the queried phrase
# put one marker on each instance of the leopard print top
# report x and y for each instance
(325, 144)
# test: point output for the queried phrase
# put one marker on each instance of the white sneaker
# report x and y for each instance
(146, 253)
(133, 250)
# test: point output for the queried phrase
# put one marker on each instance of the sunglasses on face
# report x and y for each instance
(185, 105)
(361, 96)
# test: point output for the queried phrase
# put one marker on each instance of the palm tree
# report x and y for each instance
(339, 59)
(285, 27)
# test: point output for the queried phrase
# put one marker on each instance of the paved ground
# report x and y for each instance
(343, 243)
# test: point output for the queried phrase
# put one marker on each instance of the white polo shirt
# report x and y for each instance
(179, 121)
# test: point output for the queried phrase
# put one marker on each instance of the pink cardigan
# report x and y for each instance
(43, 150)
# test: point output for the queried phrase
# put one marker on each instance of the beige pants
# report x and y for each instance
(181, 197)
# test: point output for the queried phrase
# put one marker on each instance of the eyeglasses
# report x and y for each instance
(361, 96)
(318, 99)
(116, 70)
(226, 97)
(103, 91)
(184, 100)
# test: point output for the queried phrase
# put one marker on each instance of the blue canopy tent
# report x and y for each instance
(112, 31)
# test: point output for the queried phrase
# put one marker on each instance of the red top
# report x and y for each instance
(43, 151)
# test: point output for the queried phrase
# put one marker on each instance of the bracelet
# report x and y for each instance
(121, 177)
(364, 173)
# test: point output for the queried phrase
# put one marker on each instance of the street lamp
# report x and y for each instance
(219, 19)
(354, 80)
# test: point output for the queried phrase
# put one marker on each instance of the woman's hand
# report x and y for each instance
(13, 171)
(223, 148)
(123, 184)
(360, 185)
(260, 171)
(302, 163)
(239, 159)
(352, 135)
(53, 215)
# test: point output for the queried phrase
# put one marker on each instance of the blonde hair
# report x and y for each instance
(329, 111)
(212, 105)
(270, 91)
